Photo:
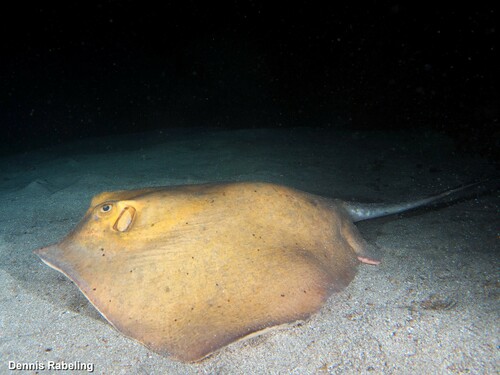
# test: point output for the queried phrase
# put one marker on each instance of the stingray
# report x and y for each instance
(187, 270)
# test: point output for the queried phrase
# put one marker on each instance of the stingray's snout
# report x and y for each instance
(43, 251)
(39, 251)
(49, 254)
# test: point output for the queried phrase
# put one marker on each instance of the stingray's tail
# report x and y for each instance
(365, 211)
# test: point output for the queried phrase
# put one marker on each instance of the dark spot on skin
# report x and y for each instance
(228, 300)
(48, 349)
(187, 223)
(175, 320)
(216, 284)
(130, 271)
(93, 288)
(103, 255)
(304, 291)
(192, 257)
(187, 273)
(192, 308)
(102, 248)
(153, 224)
(282, 295)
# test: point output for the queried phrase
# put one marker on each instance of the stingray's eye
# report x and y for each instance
(106, 208)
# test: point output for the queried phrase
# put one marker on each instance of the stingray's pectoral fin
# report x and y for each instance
(366, 253)
(125, 219)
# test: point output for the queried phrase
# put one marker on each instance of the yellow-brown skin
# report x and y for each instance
(187, 270)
